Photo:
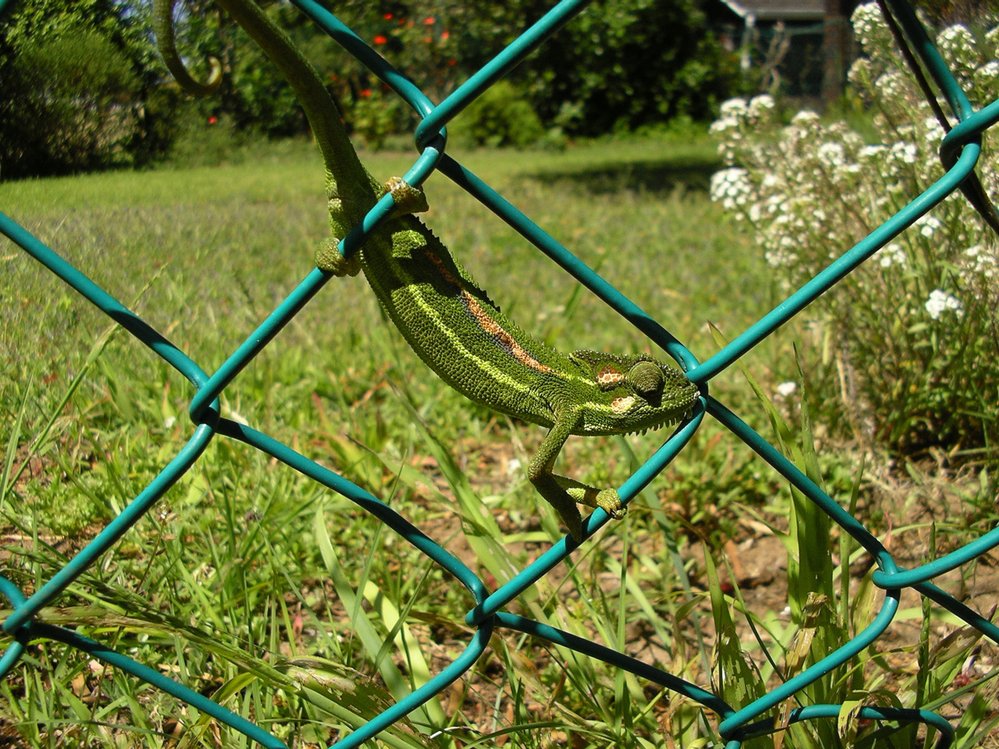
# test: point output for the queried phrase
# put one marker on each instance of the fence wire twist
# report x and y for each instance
(959, 152)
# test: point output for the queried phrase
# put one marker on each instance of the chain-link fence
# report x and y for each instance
(959, 149)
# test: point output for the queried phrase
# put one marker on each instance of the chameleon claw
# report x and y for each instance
(610, 501)
(408, 199)
(329, 259)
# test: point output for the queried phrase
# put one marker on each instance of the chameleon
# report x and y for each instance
(451, 323)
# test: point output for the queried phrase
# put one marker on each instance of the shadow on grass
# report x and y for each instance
(655, 175)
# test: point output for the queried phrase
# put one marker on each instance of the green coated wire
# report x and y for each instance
(960, 151)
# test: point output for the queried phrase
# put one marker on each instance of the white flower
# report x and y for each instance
(891, 85)
(787, 389)
(860, 71)
(934, 133)
(723, 125)
(735, 108)
(987, 76)
(761, 108)
(805, 119)
(981, 261)
(891, 254)
(992, 39)
(957, 45)
(731, 187)
(832, 153)
(928, 225)
(868, 23)
(940, 302)
(780, 256)
(904, 152)
(872, 153)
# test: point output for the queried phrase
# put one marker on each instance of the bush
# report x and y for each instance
(375, 115)
(70, 106)
(916, 328)
(501, 117)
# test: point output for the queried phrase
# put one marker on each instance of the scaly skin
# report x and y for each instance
(455, 328)
(163, 28)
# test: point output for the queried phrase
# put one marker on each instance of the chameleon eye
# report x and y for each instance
(646, 378)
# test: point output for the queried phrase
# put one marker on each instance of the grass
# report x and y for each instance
(255, 586)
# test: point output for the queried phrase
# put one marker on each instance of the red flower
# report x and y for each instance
(365, 93)
(381, 39)
(429, 21)
(445, 35)
(213, 120)
(387, 16)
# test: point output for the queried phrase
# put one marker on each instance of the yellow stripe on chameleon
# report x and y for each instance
(617, 407)
(409, 286)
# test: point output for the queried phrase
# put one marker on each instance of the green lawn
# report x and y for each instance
(260, 588)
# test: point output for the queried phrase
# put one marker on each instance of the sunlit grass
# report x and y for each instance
(253, 584)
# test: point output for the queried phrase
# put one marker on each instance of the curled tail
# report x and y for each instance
(167, 44)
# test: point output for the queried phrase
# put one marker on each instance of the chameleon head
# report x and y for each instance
(632, 393)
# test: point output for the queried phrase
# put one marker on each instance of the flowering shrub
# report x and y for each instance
(375, 115)
(916, 328)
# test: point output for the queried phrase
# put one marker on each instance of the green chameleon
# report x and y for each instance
(451, 323)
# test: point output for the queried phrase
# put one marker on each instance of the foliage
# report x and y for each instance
(253, 95)
(238, 546)
(828, 607)
(417, 38)
(916, 328)
(291, 588)
(375, 115)
(72, 84)
(500, 117)
(74, 106)
(609, 68)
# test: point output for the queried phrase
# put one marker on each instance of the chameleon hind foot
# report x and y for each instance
(568, 506)
(408, 199)
(330, 259)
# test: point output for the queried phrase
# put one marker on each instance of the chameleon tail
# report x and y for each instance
(167, 44)
(320, 108)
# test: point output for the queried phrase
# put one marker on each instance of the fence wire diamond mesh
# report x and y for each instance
(959, 150)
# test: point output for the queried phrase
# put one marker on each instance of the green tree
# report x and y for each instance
(620, 64)
(72, 77)
(253, 96)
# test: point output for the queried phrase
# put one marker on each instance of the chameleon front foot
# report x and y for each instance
(610, 501)
(606, 499)
(563, 493)
(567, 501)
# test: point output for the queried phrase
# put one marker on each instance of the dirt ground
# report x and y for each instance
(758, 559)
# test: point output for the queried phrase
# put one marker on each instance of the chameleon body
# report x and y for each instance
(452, 324)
